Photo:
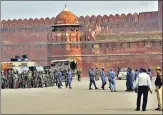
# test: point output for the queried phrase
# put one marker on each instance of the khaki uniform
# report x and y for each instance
(159, 97)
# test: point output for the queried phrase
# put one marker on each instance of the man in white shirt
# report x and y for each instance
(143, 84)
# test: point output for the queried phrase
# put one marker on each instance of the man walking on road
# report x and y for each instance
(143, 84)
(111, 78)
(59, 79)
(158, 84)
(92, 78)
(103, 78)
(68, 79)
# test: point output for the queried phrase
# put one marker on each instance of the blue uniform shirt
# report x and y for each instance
(103, 77)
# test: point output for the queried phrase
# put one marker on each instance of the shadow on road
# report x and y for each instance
(126, 109)
(106, 90)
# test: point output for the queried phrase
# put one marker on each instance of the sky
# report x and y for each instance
(43, 9)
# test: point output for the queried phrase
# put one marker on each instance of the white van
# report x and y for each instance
(122, 73)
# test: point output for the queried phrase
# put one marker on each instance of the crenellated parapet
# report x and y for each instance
(84, 20)
(20, 23)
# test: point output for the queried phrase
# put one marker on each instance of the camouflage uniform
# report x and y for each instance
(22, 80)
(26, 79)
(30, 79)
(55, 77)
(35, 78)
(11, 79)
(39, 79)
(3, 81)
(45, 80)
(51, 77)
(16, 80)
(97, 74)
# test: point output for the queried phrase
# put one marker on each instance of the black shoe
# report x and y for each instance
(70, 87)
(96, 88)
(126, 90)
(137, 109)
(90, 88)
(143, 109)
(158, 109)
(115, 91)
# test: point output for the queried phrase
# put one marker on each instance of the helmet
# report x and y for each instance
(158, 68)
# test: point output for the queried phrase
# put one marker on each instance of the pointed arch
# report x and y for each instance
(20, 23)
(47, 21)
(111, 18)
(41, 22)
(105, 19)
(9, 23)
(93, 19)
(4, 23)
(135, 17)
(117, 18)
(81, 20)
(123, 17)
(30, 22)
(99, 20)
(25, 23)
(87, 20)
(129, 17)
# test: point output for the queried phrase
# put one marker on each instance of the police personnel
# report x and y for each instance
(92, 80)
(103, 79)
(158, 84)
(68, 79)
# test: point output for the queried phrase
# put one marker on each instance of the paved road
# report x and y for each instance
(72, 101)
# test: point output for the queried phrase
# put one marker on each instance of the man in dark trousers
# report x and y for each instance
(158, 84)
(103, 79)
(143, 84)
(129, 80)
(92, 78)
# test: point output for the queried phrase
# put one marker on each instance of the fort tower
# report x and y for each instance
(65, 32)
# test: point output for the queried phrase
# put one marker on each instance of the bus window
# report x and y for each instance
(53, 64)
(59, 64)
(66, 63)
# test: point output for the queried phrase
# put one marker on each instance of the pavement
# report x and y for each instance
(78, 100)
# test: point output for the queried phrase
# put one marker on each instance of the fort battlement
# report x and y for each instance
(84, 20)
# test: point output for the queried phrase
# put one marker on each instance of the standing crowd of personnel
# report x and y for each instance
(47, 78)
(140, 77)
(35, 79)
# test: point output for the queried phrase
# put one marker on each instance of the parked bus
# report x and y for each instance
(64, 65)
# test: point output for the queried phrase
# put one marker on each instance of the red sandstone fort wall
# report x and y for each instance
(36, 53)
(31, 36)
(112, 54)
(27, 37)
